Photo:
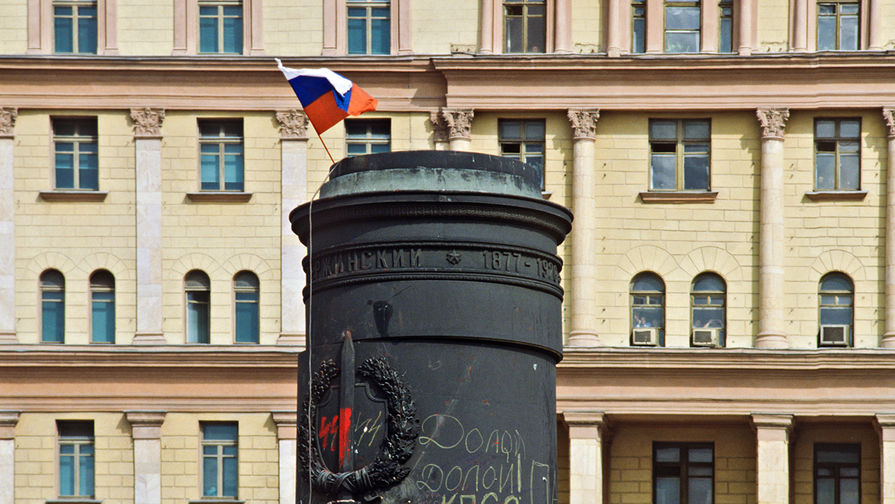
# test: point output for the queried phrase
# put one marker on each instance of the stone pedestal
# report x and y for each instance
(287, 435)
(7, 228)
(8, 421)
(146, 430)
(885, 424)
(586, 429)
(772, 459)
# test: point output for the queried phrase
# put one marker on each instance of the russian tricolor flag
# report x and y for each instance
(326, 96)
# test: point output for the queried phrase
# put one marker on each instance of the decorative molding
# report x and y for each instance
(290, 339)
(293, 124)
(459, 122)
(772, 421)
(287, 424)
(146, 424)
(678, 197)
(439, 127)
(8, 117)
(889, 117)
(8, 422)
(79, 196)
(773, 122)
(147, 122)
(150, 339)
(836, 195)
(584, 123)
(219, 197)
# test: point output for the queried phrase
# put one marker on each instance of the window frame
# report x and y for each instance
(187, 289)
(219, 457)
(186, 28)
(41, 27)
(684, 471)
(77, 442)
(369, 138)
(524, 143)
(838, 24)
(219, 17)
(77, 139)
(660, 294)
(722, 294)
(237, 290)
(731, 19)
(681, 155)
(634, 6)
(368, 6)
(665, 30)
(95, 287)
(525, 4)
(222, 140)
(76, 17)
(821, 306)
(43, 289)
(838, 139)
(335, 27)
(835, 466)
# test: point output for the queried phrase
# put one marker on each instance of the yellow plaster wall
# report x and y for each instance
(825, 236)
(774, 20)
(36, 457)
(587, 26)
(145, 28)
(220, 239)
(293, 28)
(437, 28)
(802, 471)
(887, 23)
(258, 456)
(77, 238)
(13, 27)
(630, 460)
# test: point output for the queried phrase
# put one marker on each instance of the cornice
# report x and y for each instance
(168, 356)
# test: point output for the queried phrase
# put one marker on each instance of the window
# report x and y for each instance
(525, 26)
(524, 140)
(725, 42)
(638, 26)
(682, 22)
(245, 290)
(74, 26)
(102, 307)
(648, 309)
(679, 155)
(369, 27)
(220, 143)
(838, 25)
(837, 473)
(367, 136)
(837, 154)
(836, 310)
(220, 474)
(52, 307)
(198, 291)
(220, 26)
(75, 458)
(683, 473)
(77, 158)
(707, 304)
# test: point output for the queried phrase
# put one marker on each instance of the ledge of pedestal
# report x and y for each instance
(150, 339)
(771, 340)
(583, 338)
(888, 340)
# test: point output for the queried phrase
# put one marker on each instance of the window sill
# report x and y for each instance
(219, 197)
(217, 501)
(73, 500)
(64, 195)
(678, 197)
(836, 195)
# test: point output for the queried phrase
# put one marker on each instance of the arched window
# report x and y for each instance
(245, 292)
(102, 307)
(198, 291)
(647, 310)
(708, 310)
(837, 303)
(52, 307)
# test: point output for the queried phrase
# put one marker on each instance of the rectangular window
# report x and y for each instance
(725, 43)
(682, 24)
(638, 26)
(220, 445)
(220, 26)
(369, 26)
(838, 25)
(837, 473)
(367, 136)
(76, 461)
(76, 164)
(837, 154)
(524, 140)
(683, 473)
(74, 27)
(220, 143)
(525, 26)
(680, 155)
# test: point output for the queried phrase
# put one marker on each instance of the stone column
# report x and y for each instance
(800, 26)
(770, 257)
(440, 131)
(8, 421)
(146, 431)
(294, 180)
(772, 459)
(874, 18)
(744, 21)
(459, 123)
(614, 26)
(583, 277)
(888, 340)
(885, 426)
(7, 228)
(287, 434)
(148, 140)
(562, 33)
(586, 432)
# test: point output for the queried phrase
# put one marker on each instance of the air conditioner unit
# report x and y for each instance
(706, 337)
(647, 336)
(834, 335)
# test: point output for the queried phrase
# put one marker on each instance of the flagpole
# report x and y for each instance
(324, 146)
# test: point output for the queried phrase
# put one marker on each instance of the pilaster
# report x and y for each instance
(614, 26)
(148, 140)
(800, 26)
(772, 433)
(888, 340)
(294, 187)
(287, 435)
(586, 434)
(8, 421)
(885, 426)
(7, 227)
(583, 277)
(459, 123)
(770, 257)
(146, 431)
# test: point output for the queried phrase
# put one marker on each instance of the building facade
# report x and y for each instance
(730, 278)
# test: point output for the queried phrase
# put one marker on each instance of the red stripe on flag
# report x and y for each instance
(360, 101)
(324, 113)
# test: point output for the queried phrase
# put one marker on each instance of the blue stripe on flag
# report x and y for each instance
(309, 89)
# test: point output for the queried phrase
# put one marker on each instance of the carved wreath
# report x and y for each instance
(387, 469)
